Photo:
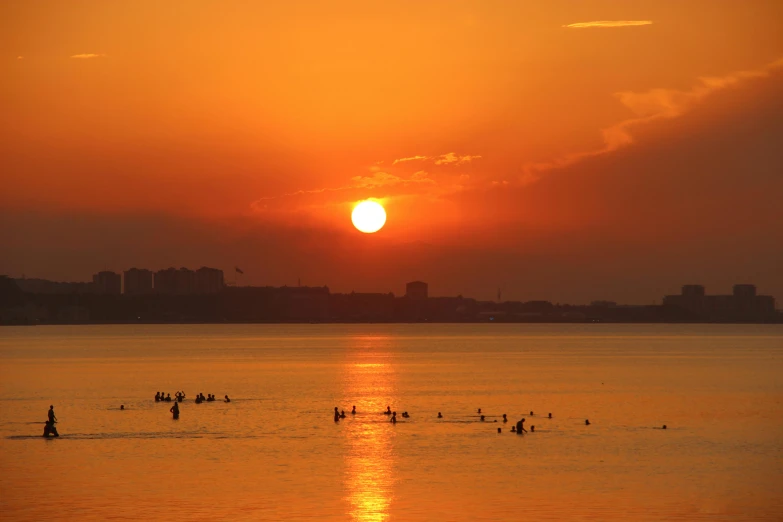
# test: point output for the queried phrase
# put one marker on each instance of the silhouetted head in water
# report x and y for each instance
(439, 415)
(499, 430)
(587, 422)
(664, 427)
(122, 406)
(513, 429)
(505, 419)
(532, 428)
(479, 410)
(388, 410)
(482, 418)
(531, 413)
(227, 399)
(550, 415)
(353, 410)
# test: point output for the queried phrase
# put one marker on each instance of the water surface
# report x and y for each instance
(274, 452)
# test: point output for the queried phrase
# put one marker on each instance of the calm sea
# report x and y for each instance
(275, 453)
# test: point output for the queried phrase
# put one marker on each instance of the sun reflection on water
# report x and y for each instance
(369, 466)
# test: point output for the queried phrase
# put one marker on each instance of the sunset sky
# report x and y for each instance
(557, 150)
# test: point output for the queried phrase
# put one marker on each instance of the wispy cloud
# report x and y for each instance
(650, 106)
(609, 23)
(87, 56)
(378, 180)
(450, 158)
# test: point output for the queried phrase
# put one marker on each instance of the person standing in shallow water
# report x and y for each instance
(175, 411)
(51, 415)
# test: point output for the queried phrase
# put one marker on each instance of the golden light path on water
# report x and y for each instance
(370, 384)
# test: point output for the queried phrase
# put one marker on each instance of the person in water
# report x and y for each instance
(479, 410)
(532, 429)
(175, 411)
(342, 414)
(521, 427)
(550, 415)
(513, 429)
(587, 422)
(405, 414)
(505, 419)
(336, 414)
(157, 396)
(227, 399)
(122, 406)
(394, 417)
(168, 397)
(482, 418)
(439, 415)
(49, 429)
(388, 411)
(50, 415)
(353, 411)
(531, 413)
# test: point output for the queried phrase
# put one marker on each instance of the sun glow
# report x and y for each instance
(368, 216)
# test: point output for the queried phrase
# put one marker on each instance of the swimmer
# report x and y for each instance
(505, 419)
(388, 411)
(479, 410)
(122, 406)
(157, 396)
(405, 414)
(587, 422)
(482, 418)
(499, 430)
(394, 417)
(439, 415)
(227, 399)
(342, 414)
(550, 415)
(49, 429)
(531, 413)
(168, 397)
(336, 414)
(664, 427)
(513, 429)
(175, 411)
(353, 411)
(532, 429)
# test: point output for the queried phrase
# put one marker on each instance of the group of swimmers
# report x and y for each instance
(181, 395)
(519, 428)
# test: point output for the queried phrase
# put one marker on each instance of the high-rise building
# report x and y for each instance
(416, 290)
(107, 283)
(742, 305)
(138, 281)
(175, 282)
(209, 280)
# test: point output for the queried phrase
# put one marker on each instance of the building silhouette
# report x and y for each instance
(208, 280)
(742, 305)
(138, 281)
(107, 283)
(416, 290)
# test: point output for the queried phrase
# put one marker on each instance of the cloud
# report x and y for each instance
(378, 180)
(87, 56)
(450, 158)
(608, 23)
(649, 106)
(20, 57)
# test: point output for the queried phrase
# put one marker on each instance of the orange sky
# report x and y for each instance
(601, 160)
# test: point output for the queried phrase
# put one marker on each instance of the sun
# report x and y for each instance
(368, 216)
